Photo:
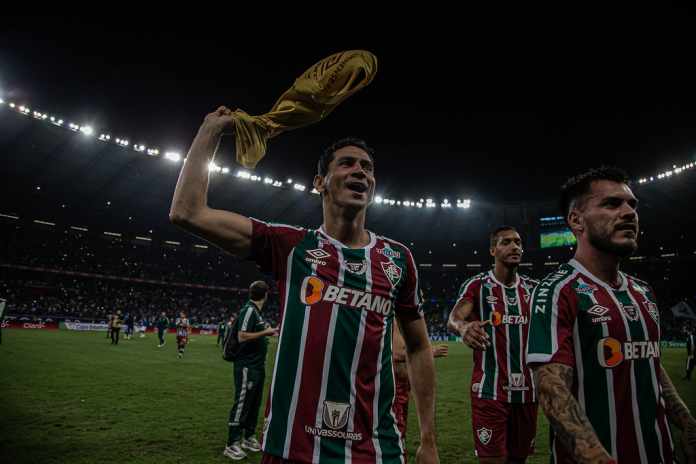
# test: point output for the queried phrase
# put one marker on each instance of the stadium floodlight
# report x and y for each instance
(212, 167)
(289, 181)
(225, 170)
(139, 148)
(398, 203)
(152, 151)
(255, 178)
(378, 199)
(2, 102)
(300, 187)
(243, 174)
(277, 183)
(268, 180)
(172, 156)
(87, 130)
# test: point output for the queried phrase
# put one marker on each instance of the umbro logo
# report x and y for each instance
(317, 256)
(598, 310)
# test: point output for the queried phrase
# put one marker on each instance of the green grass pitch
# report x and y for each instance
(71, 397)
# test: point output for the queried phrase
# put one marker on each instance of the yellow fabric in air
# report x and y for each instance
(312, 97)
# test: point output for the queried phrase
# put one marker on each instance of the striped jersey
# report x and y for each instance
(500, 372)
(332, 391)
(611, 338)
(182, 327)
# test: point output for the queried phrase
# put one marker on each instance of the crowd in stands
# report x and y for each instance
(37, 279)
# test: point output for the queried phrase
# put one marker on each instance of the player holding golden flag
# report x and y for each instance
(315, 94)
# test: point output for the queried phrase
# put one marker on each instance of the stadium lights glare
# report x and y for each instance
(172, 156)
(290, 183)
(212, 167)
(314, 191)
(2, 102)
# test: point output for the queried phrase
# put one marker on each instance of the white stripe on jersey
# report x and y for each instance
(610, 400)
(280, 341)
(634, 397)
(653, 371)
(327, 356)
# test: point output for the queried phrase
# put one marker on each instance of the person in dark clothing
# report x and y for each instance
(690, 352)
(249, 374)
(162, 324)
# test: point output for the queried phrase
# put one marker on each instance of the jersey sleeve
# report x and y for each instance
(410, 299)
(248, 320)
(271, 244)
(553, 315)
(470, 290)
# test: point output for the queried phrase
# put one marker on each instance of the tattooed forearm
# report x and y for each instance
(677, 412)
(573, 429)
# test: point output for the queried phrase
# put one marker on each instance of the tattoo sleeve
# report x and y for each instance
(677, 412)
(571, 425)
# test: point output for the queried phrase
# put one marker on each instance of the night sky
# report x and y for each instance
(483, 107)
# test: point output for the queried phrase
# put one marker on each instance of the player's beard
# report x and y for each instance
(601, 240)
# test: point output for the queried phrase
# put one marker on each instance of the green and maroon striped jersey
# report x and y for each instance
(500, 372)
(611, 338)
(332, 391)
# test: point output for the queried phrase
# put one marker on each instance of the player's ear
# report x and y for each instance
(575, 221)
(319, 183)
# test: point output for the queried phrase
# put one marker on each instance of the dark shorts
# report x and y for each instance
(181, 341)
(503, 429)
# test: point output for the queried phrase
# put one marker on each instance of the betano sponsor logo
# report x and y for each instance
(611, 352)
(315, 290)
(498, 318)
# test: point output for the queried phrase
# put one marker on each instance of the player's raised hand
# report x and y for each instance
(440, 351)
(219, 121)
(474, 336)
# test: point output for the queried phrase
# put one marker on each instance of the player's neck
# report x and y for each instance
(603, 265)
(347, 228)
(507, 275)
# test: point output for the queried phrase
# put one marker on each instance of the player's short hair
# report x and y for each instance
(574, 191)
(330, 152)
(258, 290)
(496, 233)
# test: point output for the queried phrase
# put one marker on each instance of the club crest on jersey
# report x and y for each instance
(630, 311)
(356, 267)
(392, 271)
(317, 256)
(484, 435)
(511, 300)
(336, 414)
(476, 387)
(389, 253)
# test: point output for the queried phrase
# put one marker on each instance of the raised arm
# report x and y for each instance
(190, 211)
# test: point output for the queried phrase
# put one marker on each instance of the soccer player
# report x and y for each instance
(162, 325)
(222, 328)
(182, 332)
(115, 327)
(492, 317)
(130, 325)
(340, 286)
(594, 341)
(403, 385)
(249, 373)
